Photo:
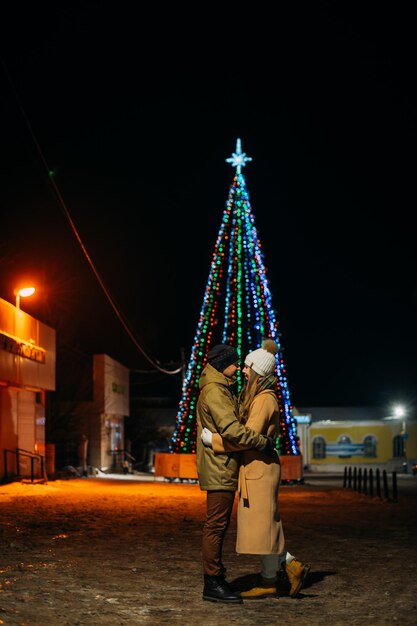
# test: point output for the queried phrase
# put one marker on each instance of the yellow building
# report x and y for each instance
(334, 437)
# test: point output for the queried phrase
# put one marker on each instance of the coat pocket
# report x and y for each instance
(254, 470)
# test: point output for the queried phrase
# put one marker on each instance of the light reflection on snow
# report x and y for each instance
(62, 536)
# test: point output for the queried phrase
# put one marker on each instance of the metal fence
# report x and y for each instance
(369, 483)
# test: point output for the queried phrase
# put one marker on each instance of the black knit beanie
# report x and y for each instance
(221, 356)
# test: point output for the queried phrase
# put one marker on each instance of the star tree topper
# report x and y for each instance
(238, 158)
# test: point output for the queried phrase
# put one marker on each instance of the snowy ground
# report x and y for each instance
(125, 550)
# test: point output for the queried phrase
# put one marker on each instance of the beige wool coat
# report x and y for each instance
(259, 527)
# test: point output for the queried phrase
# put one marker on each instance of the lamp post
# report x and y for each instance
(400, 413)
(23, 293)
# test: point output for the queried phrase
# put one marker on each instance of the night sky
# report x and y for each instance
(136, 114)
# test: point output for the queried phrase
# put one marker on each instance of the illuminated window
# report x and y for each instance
(319, 448)
(343, 443)
(369, 446)
(398, 446)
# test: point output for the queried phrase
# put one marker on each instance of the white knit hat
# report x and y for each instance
(261, 361)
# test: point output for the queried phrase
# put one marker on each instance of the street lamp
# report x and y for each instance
(400, 413)
(23, 293)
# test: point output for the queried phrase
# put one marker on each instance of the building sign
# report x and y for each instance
(22, 348)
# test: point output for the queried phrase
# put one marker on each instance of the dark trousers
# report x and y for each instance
(219, 510)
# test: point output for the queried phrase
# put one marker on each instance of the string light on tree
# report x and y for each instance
(236, 310)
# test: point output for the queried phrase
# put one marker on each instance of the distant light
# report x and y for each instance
(399, 411)
(303, 419)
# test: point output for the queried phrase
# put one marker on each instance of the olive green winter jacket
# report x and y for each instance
(217, 410)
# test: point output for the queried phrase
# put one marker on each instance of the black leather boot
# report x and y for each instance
(216, 589)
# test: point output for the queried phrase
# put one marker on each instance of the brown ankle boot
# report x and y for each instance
(297, 573)
(263, 588)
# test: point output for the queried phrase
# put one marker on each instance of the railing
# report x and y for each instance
(365, 482)
(121, 459)
(17, 455)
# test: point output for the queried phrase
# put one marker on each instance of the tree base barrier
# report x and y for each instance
(172, 465)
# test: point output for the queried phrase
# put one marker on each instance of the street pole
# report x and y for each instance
(404, 435)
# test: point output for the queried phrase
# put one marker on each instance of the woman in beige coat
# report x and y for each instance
(259, 526)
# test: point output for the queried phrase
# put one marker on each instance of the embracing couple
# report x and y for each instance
(236, 452)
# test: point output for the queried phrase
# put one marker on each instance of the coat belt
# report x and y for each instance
(242, 486)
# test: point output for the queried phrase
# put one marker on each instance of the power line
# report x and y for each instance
(66, 212)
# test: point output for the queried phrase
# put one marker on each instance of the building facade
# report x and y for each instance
(111, 406)
(101, 420)
(27, 373)
(366, 437)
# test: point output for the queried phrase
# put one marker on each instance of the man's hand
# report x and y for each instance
(207, 437)
(269, 448)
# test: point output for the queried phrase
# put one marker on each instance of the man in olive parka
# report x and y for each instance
(217, 410)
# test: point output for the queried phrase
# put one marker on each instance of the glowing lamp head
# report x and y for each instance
(25, 292)
(399, 411)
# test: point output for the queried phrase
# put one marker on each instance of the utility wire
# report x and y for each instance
(64, 208)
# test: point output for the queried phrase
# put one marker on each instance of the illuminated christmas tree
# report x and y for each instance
(237, 310)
